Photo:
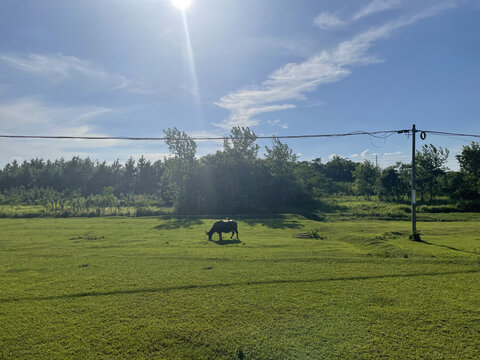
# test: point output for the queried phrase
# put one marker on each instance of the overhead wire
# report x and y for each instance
(374, 134)
(433, 132)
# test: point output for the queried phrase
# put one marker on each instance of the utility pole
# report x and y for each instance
(414, 210)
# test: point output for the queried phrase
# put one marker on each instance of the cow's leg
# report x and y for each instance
(237, 233)
(220, 236)
(233, 232)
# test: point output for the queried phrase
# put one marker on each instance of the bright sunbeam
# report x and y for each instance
(191, 60)
(181, 4)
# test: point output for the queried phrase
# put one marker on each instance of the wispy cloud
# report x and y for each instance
(293, 81)
(328, 21)
(243, 107)
(374, 7)
(58, 68)
(277, 122)
(393, 153)
(315, 104)
(273, 44)
(32, 116)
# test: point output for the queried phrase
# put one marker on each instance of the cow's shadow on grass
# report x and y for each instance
(226, 242)
(172, 224)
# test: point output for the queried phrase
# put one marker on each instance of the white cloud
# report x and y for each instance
(315, 104)
(393, 153)
(243, 111)
(293, 81)
(30, 116)
(277, 123)
(374, 7)
(58, 68)
(328, 21)
(272, 44)
(331, 156)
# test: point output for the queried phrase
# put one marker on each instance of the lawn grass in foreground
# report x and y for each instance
(152, 288)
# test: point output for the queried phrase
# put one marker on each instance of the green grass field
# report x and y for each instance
(149, 288)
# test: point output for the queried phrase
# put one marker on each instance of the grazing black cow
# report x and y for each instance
(223, 226)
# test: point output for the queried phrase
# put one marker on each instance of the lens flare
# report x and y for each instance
(181, 4)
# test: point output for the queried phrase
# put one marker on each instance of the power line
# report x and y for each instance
(375, 134)
(448, 133)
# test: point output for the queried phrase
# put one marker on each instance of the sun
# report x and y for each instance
(181, 4)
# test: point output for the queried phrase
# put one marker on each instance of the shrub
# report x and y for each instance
(437, 208)
(472, 205)
(314, 234)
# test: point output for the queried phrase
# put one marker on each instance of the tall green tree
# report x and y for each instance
(469, 161)
(240, 162)
(181, 170)
(430, 167)
(391, 186)
(366, 176)
(340, 169)
(283, 188)
(241, 143)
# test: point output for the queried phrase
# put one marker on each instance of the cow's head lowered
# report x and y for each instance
(209, 233)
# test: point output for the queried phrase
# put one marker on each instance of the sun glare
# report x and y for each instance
(181, 4)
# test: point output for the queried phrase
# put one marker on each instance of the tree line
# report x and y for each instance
(232, 180)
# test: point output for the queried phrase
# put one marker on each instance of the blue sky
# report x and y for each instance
(136, 67)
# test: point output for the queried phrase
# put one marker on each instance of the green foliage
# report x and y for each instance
(340, 169)
(447, 208)
(284, 188)
(231, 181)
(180, 144)
(314, 234)
(391, 185)
(366, 177)
(181, 171)
(241, 143)
(469, 161)
(430, 166)
(353, 207)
